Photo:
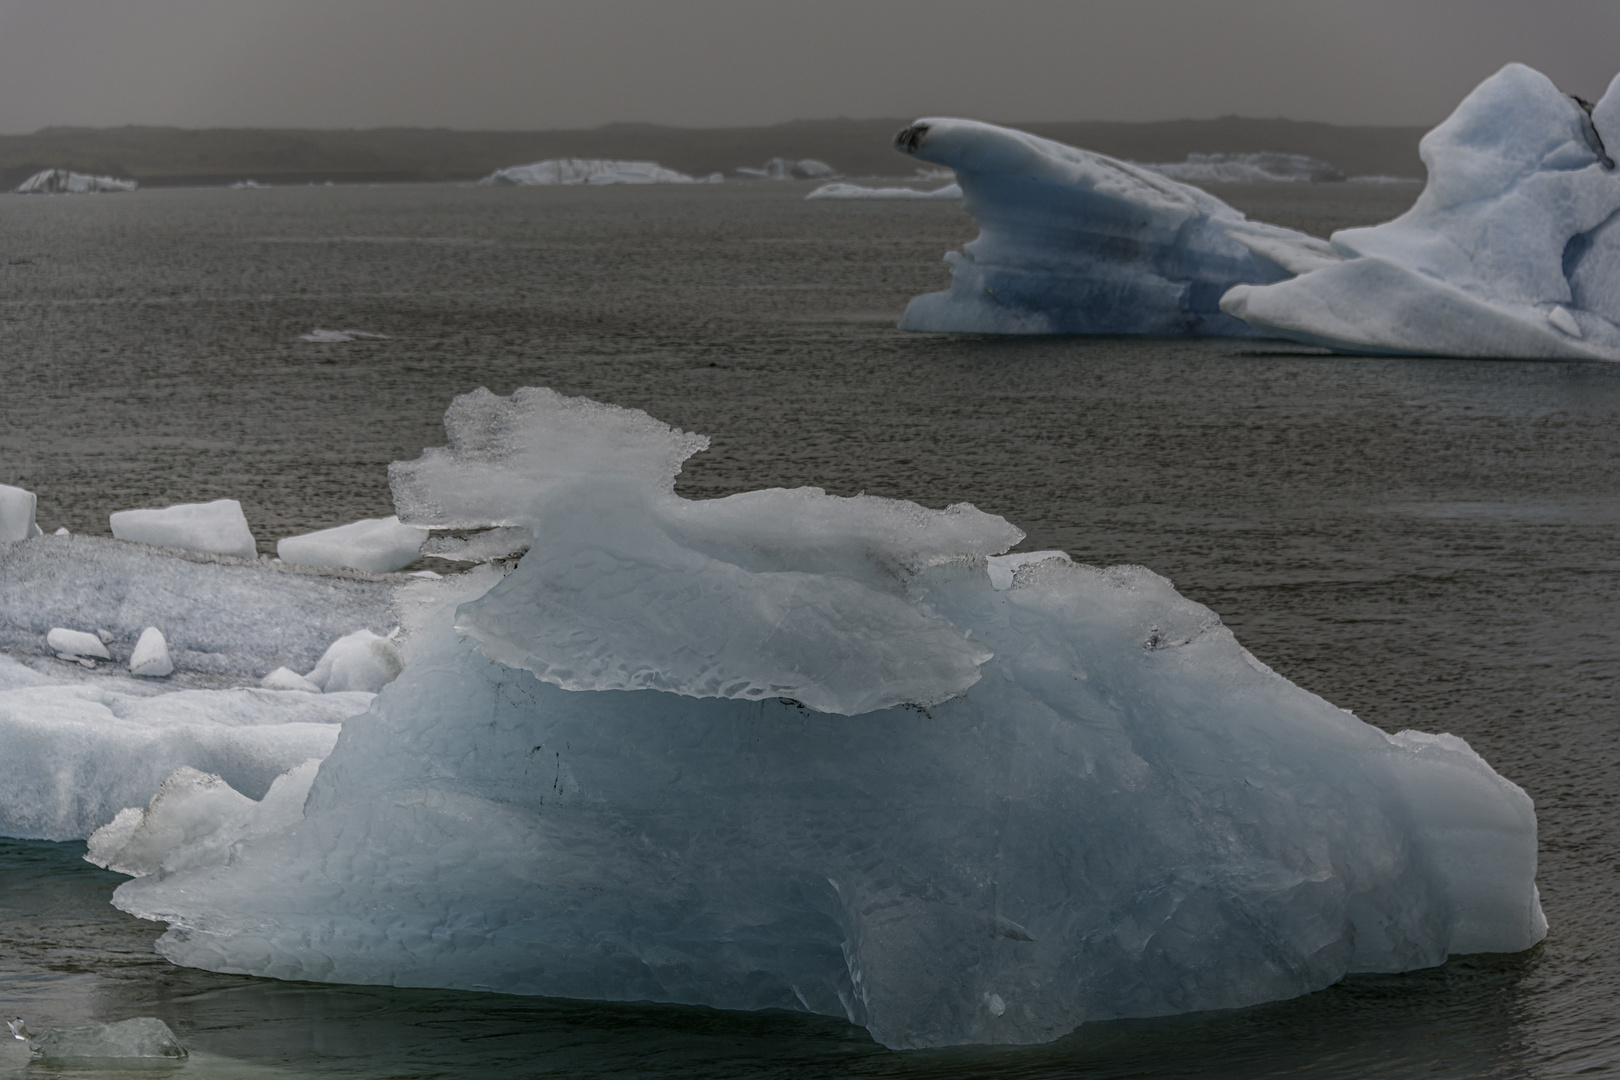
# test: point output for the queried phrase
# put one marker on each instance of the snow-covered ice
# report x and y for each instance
(219, 527)
(65, 181)
(140, 1037)
(590, 171)
(1076, 242)
(226, 621)
(16, 514)
(1251, 168)
(151, 656)
(789, 750)
(1512, 249)
(377, 545)
(856, 191)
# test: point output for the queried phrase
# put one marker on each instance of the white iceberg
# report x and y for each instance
(856, 191)
(17, 515)
(788, 750)
(784, 169)
(1265, 167)
(1512, 249)
(219, 527)
(65, 181)
(589, 171)
(151, 656)
(78, 753)
(224, 621)
(1073, 242)
(376, 545)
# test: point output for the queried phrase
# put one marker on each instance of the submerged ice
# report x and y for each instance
(1512, 249)
(843, 755)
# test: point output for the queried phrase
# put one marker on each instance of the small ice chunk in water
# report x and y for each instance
(142, 1037)
(219, 527)
(376, 545)
(358, 661)
(16, 514)
(338, 337)
(76, 644)
(287, 679)
(151, 655)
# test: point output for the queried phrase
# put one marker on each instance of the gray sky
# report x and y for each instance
(530, 64)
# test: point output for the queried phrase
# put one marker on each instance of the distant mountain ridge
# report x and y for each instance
(161, 156)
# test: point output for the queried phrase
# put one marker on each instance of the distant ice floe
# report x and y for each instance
(789, 750)
(64, 181)
(339, 337)
(591, 171)
(856, 191)
(1253, 168)
(784, 169)
(249, 185)
(1511, 250)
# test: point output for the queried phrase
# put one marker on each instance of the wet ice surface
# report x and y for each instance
(1426, 542)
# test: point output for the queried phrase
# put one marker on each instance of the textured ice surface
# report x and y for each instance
(1512, 249)
(856, 191)
(377, 545)
(1255, 168)
(142, 1037)
(1076, 242)
(590, 171)
(77, 753)
(219, 527)
(16, 514)
(847, 774)
(151, 656)
(194, 819)
(64, 181)
(225, 620)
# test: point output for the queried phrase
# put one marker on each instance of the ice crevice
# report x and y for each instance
(992, 809)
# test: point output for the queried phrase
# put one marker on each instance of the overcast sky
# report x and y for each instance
(532, 64)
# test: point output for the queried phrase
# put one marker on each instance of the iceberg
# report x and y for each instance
(219, 527)
(1255, 168)
(16, 514)
(1073, 242)
(783, 169)
(65, 181)
(1512, 249)
(589, 171)
(856, 191)
(841, 755)
(376, 545)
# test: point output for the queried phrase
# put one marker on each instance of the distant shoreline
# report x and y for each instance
(170, 157)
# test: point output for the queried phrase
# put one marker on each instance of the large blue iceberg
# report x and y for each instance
(789, 750)
(1512, 249)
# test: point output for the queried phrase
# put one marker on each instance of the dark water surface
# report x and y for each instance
(1432, 544)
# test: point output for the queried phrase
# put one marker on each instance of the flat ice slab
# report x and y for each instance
(377, 545)
(219, 527)
(16, 514)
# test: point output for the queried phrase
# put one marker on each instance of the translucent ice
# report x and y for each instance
(151, 656)
(784, 750)
(16, 514)
(1076, 242)
(1512, 249)
(378, 545)
(219, 527)
(142, 1037)
(856, 191)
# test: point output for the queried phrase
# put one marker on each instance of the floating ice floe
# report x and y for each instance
(16, 514)
(789, 750)
(1073, 242)
(1511, 250)
(141, 1037)
(784, 169)
(218, 527)
(377, 545)
(64, 181)
(591, 171)
(856, 191)
(1254, 168)
(339, 337)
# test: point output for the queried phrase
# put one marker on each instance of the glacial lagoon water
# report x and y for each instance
(1428, 543)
